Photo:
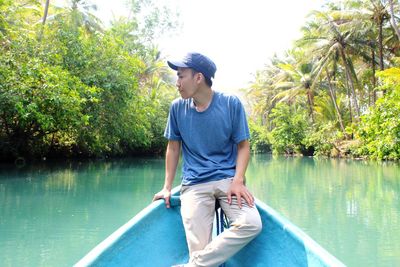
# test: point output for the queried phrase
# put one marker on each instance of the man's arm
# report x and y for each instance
(171, 162)
(238, 187)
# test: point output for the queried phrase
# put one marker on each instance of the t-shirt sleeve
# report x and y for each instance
(240, 127)
(171, 130)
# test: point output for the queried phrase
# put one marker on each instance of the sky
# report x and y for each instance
(240, 36)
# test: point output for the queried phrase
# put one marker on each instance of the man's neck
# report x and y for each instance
(203, 99)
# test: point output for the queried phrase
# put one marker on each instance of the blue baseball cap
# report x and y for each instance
(195, 61)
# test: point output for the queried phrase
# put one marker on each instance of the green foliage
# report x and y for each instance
(72, 88)
(330, 77)
(380, 129)
(39, 103)
(258, 138)
(289, 131)
(323, 139)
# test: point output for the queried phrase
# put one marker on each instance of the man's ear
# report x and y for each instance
(199, 77)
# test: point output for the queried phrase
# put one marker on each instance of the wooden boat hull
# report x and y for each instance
(155, 238)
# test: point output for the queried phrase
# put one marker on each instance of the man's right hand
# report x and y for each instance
(165, 194)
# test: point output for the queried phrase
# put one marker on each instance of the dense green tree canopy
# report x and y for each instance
(331, 74)
(70, 87)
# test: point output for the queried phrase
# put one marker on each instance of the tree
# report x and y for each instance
(261, 94)
(380, 129)
(78, 90)
(45, 12)
(341, 49)
(297, 78)
(331, 38)
(289, 129)
(393, 19)
(40, 104)
(333, 97)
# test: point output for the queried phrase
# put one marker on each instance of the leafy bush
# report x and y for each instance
(380, 128)
(72, 88)
(323, 138)
(40, 104)
(258, 138)
(290, 125)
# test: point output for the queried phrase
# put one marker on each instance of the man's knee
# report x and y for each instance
(251, 225)
(255, 225)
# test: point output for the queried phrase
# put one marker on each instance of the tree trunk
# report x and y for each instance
(380, 43)
(373, 76)
(349, 99)
(310, 104)
(332, 94)
(46, 10)
(351, 83)
(393, 20)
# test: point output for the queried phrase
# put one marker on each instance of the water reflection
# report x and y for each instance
(350, 207)
(52, 214)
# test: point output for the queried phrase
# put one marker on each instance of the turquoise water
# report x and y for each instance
(53, 214)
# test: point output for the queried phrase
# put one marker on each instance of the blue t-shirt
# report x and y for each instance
(209, 138)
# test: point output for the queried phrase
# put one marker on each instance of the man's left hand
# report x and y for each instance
(238, 189)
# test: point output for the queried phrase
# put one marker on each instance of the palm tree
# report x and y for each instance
(80, 14)
(297, 78)
(393, 19)
(332, 95)
(82, 10)
(379, 15)
(262, 92)
(374, 11)
(372, 18)
(331, 37)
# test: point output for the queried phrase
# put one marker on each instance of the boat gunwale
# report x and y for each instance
(294, 231)
(96, 252)
(313, 249)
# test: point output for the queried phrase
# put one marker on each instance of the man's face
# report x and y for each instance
(187, 83)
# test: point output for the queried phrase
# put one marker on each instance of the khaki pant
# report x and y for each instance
(198, 202)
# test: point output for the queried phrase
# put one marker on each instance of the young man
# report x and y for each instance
(211, 128)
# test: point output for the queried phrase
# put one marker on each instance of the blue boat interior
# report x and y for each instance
(156, 238)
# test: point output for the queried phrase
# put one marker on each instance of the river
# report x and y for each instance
(52, 214)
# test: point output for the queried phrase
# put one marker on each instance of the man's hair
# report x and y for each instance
(207, 79)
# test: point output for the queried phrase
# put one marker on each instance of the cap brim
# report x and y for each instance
(176, 64)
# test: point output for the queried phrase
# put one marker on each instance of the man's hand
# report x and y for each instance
(238, 189)
(165, 194)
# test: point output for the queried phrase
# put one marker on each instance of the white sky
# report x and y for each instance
(240, 36)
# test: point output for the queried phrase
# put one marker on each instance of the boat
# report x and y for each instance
(155, 238)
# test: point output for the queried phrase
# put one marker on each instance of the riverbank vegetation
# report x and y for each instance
(71, 87)
(336, 92)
